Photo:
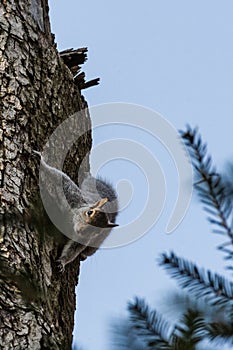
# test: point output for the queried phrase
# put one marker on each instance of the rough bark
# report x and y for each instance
(37, 92)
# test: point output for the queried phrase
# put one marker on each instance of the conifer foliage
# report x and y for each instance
(197, 328)
(213, 191)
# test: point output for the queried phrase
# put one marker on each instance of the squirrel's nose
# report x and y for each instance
(112, 224)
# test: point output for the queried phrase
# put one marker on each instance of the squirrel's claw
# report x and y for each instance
(60, 266)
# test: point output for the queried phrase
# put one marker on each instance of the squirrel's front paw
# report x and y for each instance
(83, 257)
(60, 266)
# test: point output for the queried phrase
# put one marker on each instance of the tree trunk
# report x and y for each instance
(37, 92)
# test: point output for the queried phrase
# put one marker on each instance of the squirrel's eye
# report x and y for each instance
(90, 212)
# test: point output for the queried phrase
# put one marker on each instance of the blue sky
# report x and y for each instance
(174, 57)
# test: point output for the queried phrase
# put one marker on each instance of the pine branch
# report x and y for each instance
(149, 326)
(221, 331)
(227, 180)
(156, 333)
(214, 288)
(192, 329)
(210, 187)
(124, 337)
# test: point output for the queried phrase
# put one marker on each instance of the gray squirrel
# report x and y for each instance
(87, 213)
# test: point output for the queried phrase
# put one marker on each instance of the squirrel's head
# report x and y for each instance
(95, 216)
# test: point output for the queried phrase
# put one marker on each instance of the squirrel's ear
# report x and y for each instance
(112, 224)
(100, 203)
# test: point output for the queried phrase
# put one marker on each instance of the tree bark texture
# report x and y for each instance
(37, 92)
